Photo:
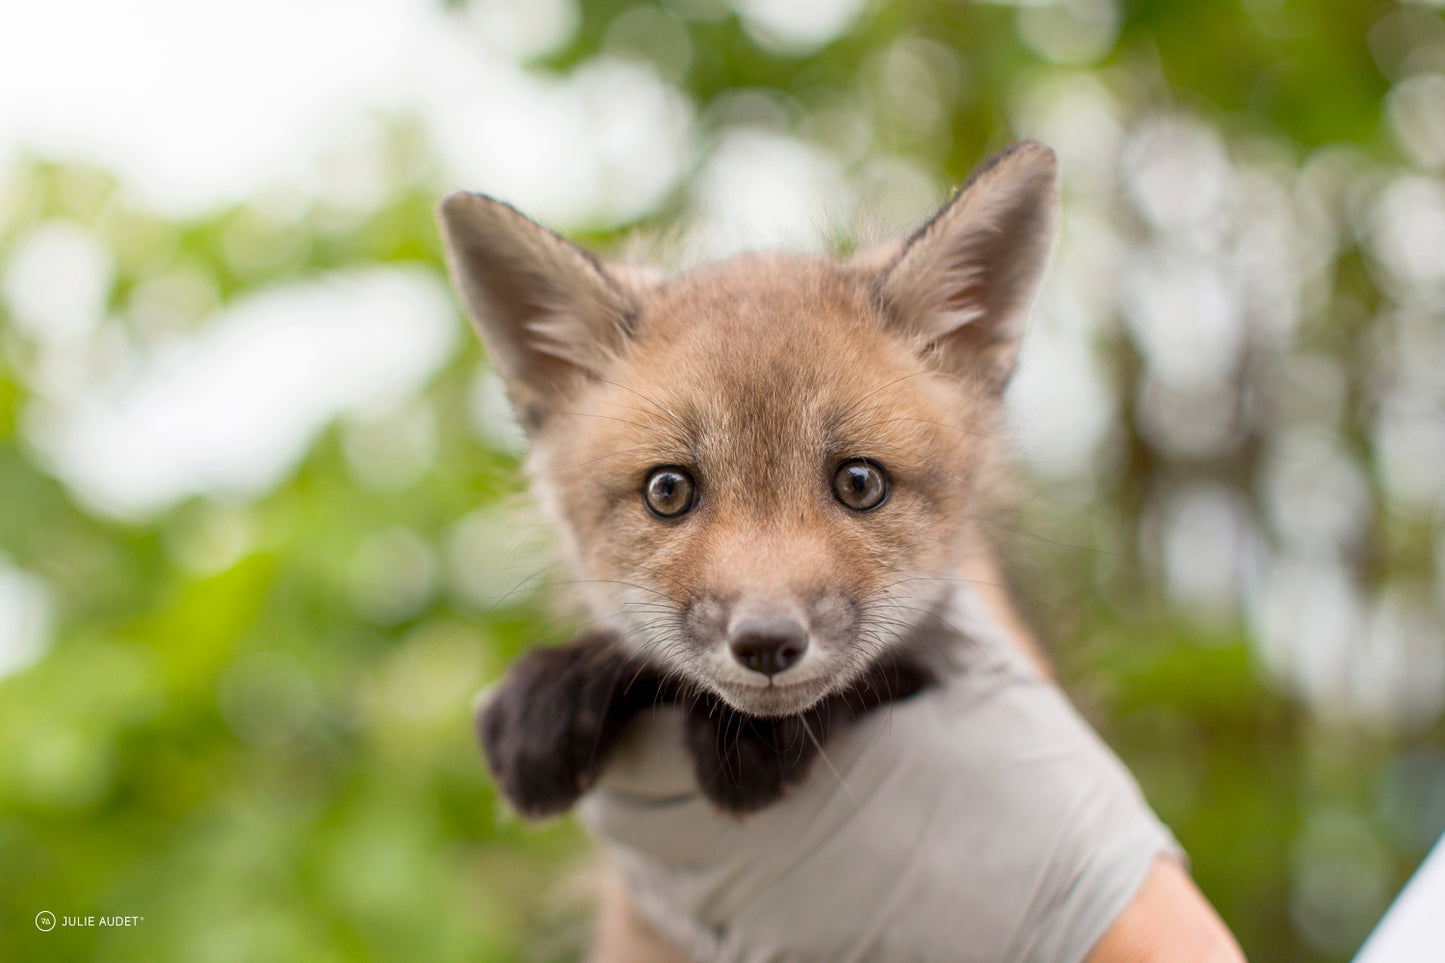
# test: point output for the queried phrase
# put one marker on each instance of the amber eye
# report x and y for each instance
(669, 492)
(860, 484)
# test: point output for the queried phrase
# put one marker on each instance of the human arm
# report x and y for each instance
(1169, 921)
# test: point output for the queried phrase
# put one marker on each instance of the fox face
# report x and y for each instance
(763, 472)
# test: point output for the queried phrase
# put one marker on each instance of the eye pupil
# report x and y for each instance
(860, 484)
(669, 492)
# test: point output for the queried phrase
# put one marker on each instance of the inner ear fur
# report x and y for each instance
(549, 312)
(962, 285)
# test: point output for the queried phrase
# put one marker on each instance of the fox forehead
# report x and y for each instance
(768, 299)
(760, 350)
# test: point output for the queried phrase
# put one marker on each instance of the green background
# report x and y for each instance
(230, 742)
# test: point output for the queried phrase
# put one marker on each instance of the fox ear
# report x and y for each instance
(549, 312)
(963, 284)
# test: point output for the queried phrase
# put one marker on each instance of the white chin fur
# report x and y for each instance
(772, 700)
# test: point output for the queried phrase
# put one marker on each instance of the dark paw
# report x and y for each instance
(743, 763)
(547, 728)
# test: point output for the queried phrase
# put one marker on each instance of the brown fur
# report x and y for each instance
(759, 377)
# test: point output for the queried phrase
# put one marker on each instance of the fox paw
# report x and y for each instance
(547, 728)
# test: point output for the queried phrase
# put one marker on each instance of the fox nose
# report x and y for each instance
(768, 644)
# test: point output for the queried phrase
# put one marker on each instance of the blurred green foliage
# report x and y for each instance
(228, 745)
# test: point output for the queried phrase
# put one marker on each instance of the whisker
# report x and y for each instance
(837, 776)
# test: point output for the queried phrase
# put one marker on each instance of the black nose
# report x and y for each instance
(768, 644)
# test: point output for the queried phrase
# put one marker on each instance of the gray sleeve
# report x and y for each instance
(984, 821)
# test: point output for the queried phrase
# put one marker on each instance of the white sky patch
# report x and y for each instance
(524, 30)
(1308, 616)
(1208, 549)
(1410, 449)
(1070, 31)
(230, 409)
(1314, 493)
(56, 281)
(798, 26)
(25, 618)
(765, 190)
(1399, 677)
(1416, 111)
(1059, 405)
(1351, 657)
(194, 104)
(601, 146)
(198, 105)
(1178, 175)
(1198, 421)
(1407, 231)
(1185, 313)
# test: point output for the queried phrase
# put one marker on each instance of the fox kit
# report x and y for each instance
(765, 474)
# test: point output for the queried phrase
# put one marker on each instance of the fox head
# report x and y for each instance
(764, 471)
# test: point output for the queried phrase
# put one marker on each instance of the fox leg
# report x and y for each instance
(548, 728)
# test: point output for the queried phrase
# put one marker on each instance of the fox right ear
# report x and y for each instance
(549, 312)
(962, 285)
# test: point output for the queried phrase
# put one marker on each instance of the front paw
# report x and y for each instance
(547, 728)
(745, 763)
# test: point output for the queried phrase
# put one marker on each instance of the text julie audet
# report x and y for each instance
(99, 920)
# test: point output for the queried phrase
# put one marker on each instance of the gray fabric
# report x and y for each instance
(982, 821)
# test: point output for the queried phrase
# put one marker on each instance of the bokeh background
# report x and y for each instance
(261, 530)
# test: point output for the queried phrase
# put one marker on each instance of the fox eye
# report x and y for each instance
(860, 484)
(669, 492)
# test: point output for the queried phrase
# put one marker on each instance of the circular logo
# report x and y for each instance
(45, 921)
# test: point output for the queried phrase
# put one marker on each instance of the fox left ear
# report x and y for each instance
(550, 313)
(963, 284)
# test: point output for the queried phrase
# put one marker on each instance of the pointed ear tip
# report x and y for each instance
(460, 203)
(1038, 157)
(451, 207)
